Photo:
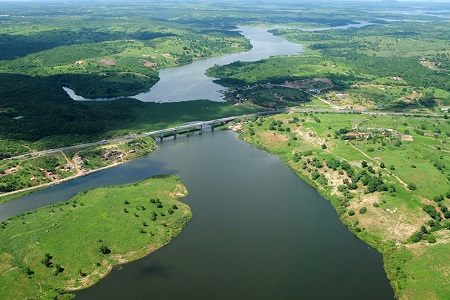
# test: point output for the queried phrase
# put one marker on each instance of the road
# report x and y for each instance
(171, 130)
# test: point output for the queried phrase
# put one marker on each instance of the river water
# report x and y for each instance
(258, 231)
(189, 82)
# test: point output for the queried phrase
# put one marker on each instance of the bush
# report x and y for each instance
(351, 212)
(363, 210)
(104, 249)
(431, 239)
(415, 237)
(412, 187)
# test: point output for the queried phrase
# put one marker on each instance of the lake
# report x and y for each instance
(258, 231)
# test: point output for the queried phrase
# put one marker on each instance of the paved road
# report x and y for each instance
(217, 121)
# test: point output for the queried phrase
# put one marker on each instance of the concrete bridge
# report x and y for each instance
(200, 125)
(186, 128)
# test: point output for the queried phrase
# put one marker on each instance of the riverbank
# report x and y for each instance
(42, 254)
(367, 170)
(34, 173)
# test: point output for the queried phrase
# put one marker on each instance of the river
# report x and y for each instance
(258, 231)
(189, 82)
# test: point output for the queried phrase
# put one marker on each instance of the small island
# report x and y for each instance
(71, 245)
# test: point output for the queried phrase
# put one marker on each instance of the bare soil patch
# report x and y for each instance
(107, 62)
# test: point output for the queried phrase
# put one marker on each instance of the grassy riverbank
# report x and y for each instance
(72, 245)
(387, 178)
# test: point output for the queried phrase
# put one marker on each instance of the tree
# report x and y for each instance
(431, 239)
(104, 249)
(412, 187)
(364, 164)
(47, 260)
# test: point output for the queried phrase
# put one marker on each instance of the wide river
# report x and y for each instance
(258, 231)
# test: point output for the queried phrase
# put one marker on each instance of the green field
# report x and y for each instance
(42, 254)
(380, 173)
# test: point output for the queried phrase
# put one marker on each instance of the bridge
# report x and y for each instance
(200, 125)
(172, 131)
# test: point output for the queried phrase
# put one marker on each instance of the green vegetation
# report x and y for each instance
(98, 52)
(105, 53)
(56, 122)
(42, 254)
(402, 210)
(395, 66)
(46, 169)
(387, 176)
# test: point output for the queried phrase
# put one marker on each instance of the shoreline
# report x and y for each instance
(127, 156)
(49, 184)
(81, 268)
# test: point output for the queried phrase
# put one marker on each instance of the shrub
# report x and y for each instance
(47, 260)
(447, 214)
(351, 212)
(415, 237)
(412, 187)
(104, 249)
(431, 239)
(363, 210)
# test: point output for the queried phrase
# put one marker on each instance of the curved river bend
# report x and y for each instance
(258, 231)
(189, 82)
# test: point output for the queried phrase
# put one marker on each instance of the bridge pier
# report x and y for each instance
(212, 126)
(161, 137)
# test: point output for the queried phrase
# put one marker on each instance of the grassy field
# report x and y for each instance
(387, 177)
(42, 254)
